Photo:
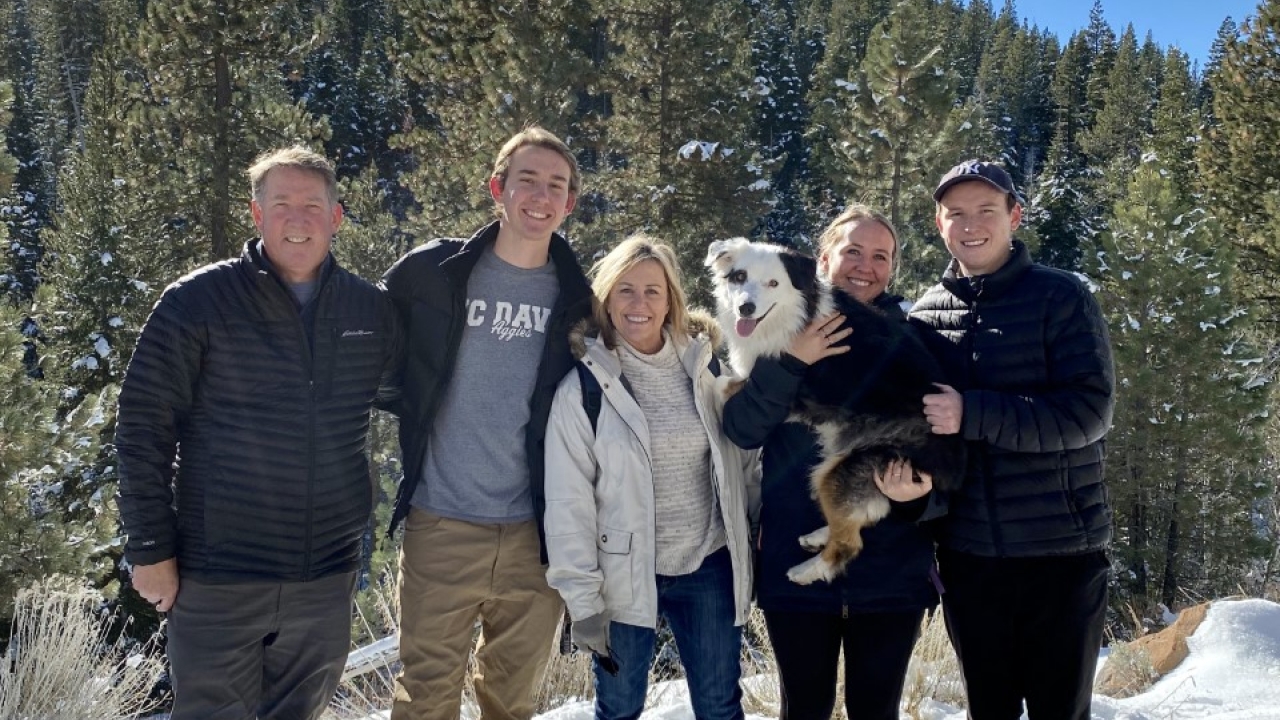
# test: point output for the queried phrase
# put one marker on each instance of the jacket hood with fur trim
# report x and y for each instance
(701, 325)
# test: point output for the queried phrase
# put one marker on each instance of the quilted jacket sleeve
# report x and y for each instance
(155, 398)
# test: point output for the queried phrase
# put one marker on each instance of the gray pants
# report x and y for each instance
(258, 651)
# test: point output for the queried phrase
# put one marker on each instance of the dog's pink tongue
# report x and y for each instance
(745, 326)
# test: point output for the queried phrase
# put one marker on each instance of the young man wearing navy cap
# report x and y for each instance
(1022, 552)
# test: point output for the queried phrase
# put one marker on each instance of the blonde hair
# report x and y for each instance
(853, 214)
(608, 271)
(299, 157)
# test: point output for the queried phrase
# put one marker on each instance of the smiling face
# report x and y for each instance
(535, 197)
(861, 263)
(297, 220)
(638, 305)
(977, 226)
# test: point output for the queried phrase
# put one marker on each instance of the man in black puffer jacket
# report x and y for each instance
(1022, 551)
(244, 484)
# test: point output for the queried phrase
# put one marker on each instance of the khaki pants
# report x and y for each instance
(452, 572)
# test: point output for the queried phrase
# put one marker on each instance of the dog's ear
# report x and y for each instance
(719, 253)
(801, 269)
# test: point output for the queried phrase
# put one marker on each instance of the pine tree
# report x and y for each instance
(1176, 120)
(350, 79)
(1241, 160)
(208, 95)
(1062, 209)
(1120, 128)
(845, 36)
(782, 115)
(1182, 369)
(1101, 40)
(968, 46)
(900, 133)
(486, 69)
(52, 46)
(1014, 82)
(39, 534)
(42, 445)
(681, 130)
(1227, 32)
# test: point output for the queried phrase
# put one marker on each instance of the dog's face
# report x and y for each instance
(764, 293)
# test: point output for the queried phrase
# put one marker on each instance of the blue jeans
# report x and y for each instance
(699, 608)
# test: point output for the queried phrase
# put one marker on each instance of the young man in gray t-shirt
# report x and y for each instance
(487, 322)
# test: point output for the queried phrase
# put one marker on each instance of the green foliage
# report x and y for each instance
(204, 99)
(778, 55)
(901, 132)
(682, 165)
(1122, 124)
(1241, 160)
(486, 69)
(1184, 367)
(41, 533)
(846, 34)
(128, 127)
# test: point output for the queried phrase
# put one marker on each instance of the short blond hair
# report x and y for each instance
(537, 137)
(853, 214)
(608, 271)
(298, 156)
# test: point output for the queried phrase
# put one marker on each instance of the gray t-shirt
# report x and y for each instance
(476, 468)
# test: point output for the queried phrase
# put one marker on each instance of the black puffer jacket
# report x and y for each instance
(892, 574)
(272, 481)
(1031, 349)
(428, 287)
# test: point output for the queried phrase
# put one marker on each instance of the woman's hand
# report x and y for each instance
(820, 339)
(901, 483)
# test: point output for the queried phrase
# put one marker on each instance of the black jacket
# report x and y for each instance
(891, 574)
(267, 426)
(428, 287)
(1033, 352)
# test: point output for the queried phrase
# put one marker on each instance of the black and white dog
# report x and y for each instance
(866, 405)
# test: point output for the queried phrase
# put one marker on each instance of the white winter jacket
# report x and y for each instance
(600, 520)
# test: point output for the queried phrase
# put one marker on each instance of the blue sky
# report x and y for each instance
(1189, 24)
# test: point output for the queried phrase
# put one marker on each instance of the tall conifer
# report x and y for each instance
(1189, 410)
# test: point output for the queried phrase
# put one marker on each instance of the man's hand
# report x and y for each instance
(899, 485)
(944, 410)
(158, 583)
(819, 340)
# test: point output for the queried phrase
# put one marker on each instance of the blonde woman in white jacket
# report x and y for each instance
(649, 514)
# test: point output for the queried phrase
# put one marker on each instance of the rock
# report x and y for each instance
(1132, 668)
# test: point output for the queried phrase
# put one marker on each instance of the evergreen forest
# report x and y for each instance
(127, 126)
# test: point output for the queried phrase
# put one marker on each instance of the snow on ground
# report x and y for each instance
(1232, 673)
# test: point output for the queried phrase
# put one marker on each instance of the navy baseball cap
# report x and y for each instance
(990, 173)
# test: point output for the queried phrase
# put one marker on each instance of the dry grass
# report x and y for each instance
(934, 670)
(61, 666)
(933, 673)
(1130, 670)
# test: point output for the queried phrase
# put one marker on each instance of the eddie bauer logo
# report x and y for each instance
(356, 333)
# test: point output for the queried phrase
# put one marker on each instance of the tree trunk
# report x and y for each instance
(220, 210)
(1172, 559)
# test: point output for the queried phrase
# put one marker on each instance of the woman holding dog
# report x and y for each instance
(647, 500)
(875, 609)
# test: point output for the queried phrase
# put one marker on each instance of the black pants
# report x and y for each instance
(258, 651)
(1026, 629)
(877, 647)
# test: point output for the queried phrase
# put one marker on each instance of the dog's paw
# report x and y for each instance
(816, 540)
(811, 571)
(728, 386)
